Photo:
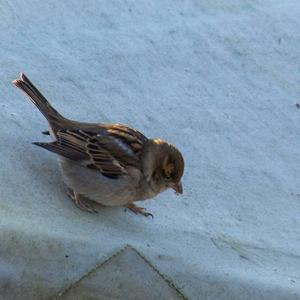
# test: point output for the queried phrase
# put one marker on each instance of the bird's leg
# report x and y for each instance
(80, 202)
(138, 210)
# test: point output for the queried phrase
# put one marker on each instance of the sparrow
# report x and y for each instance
(107, 164)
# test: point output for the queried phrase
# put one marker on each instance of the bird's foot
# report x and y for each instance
(81, 202)
(139, 210)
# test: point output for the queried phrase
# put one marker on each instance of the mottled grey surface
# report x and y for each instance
(125, 275)
(220, 79)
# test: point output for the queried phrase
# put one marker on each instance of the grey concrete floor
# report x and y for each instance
(220, 79)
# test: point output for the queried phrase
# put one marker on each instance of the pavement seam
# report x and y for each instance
(116, 253)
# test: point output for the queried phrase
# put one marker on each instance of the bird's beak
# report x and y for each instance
(177, 187)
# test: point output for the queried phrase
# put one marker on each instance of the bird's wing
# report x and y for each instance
(107, 148)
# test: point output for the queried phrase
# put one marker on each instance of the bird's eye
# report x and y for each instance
(168, 177)
(168, 172)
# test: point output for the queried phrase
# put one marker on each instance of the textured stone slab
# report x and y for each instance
(125, 275)
(220, 79)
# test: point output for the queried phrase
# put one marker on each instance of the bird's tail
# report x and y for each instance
(53, 117)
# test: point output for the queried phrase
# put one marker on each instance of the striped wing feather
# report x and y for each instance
(108, 148)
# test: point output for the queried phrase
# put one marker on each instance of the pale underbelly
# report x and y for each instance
(103, 190)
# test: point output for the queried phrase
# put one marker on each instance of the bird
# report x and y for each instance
(107, 164)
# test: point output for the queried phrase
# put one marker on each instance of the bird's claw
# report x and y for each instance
(81, 203)
(139, 210)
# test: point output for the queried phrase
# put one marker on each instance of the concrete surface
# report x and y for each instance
(220, 79)
(108, 280)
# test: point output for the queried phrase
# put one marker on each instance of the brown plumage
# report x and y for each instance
(111, 164)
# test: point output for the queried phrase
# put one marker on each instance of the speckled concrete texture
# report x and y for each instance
(220, 79)
(108, 280)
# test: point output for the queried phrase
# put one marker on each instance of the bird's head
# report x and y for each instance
(163, 166)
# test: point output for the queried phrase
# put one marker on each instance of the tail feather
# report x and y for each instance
(35, 96)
